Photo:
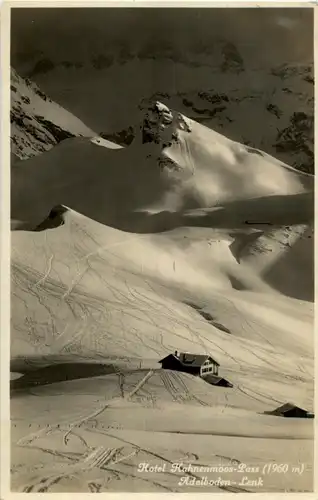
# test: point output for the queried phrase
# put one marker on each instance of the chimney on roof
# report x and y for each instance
(176, 353)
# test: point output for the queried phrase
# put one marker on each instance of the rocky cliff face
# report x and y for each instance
(38, 123)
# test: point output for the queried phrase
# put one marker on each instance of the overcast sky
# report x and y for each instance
(272, 34)
(64, 52)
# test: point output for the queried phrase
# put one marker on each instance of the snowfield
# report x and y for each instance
(121, 256)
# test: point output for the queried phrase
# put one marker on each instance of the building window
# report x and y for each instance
(208, 369)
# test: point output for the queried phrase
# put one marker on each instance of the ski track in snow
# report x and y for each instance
(94, 293)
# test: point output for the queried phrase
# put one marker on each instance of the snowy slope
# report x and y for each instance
(147, 251)
(38, 123)
(154, 186)
(127, 300)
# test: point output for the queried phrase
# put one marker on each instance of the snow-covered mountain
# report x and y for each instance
(184, 240)
(184, 174)
(38, 123)
(181, 220)
(280, 113)
(219, 86)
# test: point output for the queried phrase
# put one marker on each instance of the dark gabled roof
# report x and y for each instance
(287, 407)
(169, 356)
(215, 380)
(212, 379)
(189, 359)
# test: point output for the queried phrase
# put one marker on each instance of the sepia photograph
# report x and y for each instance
(162, 249)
